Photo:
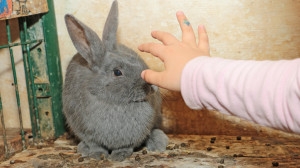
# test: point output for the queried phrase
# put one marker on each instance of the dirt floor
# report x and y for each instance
(183, 151)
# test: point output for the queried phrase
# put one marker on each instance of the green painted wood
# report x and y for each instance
(27, 77)
(42, 90)
(43, 74)
(39, 70)
(30, 64)
(54, 68)
(46, 118)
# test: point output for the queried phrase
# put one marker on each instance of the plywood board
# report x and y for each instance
(18, 8)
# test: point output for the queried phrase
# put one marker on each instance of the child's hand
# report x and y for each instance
(174, 53)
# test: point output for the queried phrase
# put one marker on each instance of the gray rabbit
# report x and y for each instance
(105, 101)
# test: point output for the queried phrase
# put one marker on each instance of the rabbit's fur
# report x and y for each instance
(108, 106)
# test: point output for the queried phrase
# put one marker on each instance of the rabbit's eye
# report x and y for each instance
(117, 72)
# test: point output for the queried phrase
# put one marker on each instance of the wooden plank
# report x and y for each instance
(180, 119)
(17, 8)
(183, 151)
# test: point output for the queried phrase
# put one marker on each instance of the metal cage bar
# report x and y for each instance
(3, 130)
(31, 78)
(15, 84)
(27, 76)
(18, 44)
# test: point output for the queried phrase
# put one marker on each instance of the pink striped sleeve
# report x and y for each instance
(265, 92)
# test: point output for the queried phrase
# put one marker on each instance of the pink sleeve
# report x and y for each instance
(265, 92)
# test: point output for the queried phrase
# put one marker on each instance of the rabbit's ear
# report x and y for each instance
(109, 35)
(85, 40)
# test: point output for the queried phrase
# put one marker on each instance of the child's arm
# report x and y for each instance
(266, 92)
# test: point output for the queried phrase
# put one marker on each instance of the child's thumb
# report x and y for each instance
(152, 77)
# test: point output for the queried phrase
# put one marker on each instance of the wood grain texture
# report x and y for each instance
(184, 151)
(14, 142)
(179, 119)
(17, 8)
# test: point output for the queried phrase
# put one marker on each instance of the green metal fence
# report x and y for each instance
(42, 67)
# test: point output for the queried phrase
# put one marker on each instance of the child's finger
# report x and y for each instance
(152, 77)
(164, 37)
(155, 49)
(203, 39)
(188, 35)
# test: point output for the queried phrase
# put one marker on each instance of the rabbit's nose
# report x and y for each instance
(147, 88)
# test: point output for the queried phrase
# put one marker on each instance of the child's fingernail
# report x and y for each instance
(143, 75)
(140, 48)
(202, 27)
(180, 13)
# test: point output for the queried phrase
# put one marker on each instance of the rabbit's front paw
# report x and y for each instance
(83, 149)
(100, 155)
(92, 150)
(121, 154)
(98, 152)
(157, 141)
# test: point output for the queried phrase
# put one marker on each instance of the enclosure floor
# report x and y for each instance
(190, 151)
(13, 140)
